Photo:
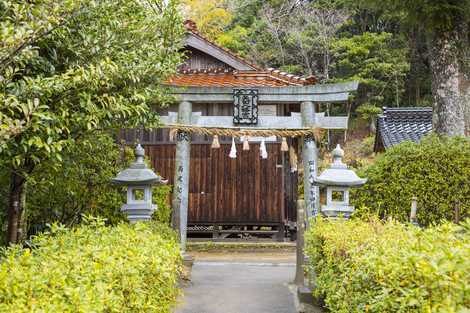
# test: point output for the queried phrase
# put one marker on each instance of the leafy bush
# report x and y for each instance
(93, 268)
(374, 267)
(436, 171)
(367, 147)
(81, 184)
(161, 197)
(369, 112)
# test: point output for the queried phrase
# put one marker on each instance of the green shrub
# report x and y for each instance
(93, 268)
(374, 267)
(436, 171)
(161, 197)
(367, 146)
(81, 184)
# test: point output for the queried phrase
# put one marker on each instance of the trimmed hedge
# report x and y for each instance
(93, 268)
(436, 171)
(392, 267)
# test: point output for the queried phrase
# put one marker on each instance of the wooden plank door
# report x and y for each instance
(245, 190)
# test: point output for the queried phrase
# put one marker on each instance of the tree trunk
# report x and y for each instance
(372, 125)
(17, 190)
(22, 222)
(448, 97)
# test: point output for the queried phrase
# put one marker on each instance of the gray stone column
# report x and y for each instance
(299, 268)
(310, 161)
(181, 181)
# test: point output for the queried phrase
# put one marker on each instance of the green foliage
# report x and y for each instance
(440, 15)
(236, 40)
(210, 16)
(367, 146)
(368, 111)
(161, 197)
(71, 67)
(93, 268)
(375, 267)
(81, 184)
(436, 171)
(378, 61)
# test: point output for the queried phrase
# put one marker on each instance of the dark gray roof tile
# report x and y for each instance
(399, 124)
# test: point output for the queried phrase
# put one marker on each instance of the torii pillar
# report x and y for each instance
(181, 181)
(310, 160)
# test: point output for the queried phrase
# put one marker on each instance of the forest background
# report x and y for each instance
(333, 40)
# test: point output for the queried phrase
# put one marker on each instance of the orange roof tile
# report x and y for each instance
(220, 80)
(225, 78)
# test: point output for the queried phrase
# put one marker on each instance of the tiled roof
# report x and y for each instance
(222, 77)
(399, 124)
(226, 78)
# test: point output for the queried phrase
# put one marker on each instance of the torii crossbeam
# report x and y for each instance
(306, 119)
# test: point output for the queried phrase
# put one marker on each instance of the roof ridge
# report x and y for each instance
(192, 27)
(407, 109)
(215, 70)
(310, 80)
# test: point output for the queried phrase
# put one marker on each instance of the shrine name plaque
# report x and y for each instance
(245, 106)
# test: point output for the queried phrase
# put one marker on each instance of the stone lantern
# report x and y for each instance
(139, 180)
(338, 179)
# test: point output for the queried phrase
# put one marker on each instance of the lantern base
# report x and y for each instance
(138, 212)
(344, 211)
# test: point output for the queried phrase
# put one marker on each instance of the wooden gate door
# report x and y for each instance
(247, 190)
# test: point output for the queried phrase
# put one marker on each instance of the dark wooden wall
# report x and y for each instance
(246, 190)
(197, 60)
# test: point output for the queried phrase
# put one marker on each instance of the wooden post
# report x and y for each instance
(181, 182)
(413, 218)
(309, 159)
(299, 269)
(457, 212)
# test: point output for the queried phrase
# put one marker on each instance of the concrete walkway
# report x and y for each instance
(240, 283)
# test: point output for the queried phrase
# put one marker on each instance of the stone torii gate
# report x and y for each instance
(246, 117)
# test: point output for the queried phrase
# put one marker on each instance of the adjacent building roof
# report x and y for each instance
(210, 65)
(399, 124)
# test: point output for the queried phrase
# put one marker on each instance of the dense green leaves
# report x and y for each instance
(440, 15)
(80, 183)
(436, 171)
(93, 268)
(85, 65)
(375, 267)
(72, 68)
(378, 61)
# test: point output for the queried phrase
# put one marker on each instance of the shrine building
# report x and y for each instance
(253, 194)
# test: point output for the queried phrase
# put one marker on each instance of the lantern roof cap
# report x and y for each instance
(138, 173)
(338, 174)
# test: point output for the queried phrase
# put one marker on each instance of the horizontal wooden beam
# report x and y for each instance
(264, 122)
(315, 93)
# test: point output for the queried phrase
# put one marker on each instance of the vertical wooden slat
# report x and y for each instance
(245, 190)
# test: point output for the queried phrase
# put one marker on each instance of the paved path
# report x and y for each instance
(243, 284)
